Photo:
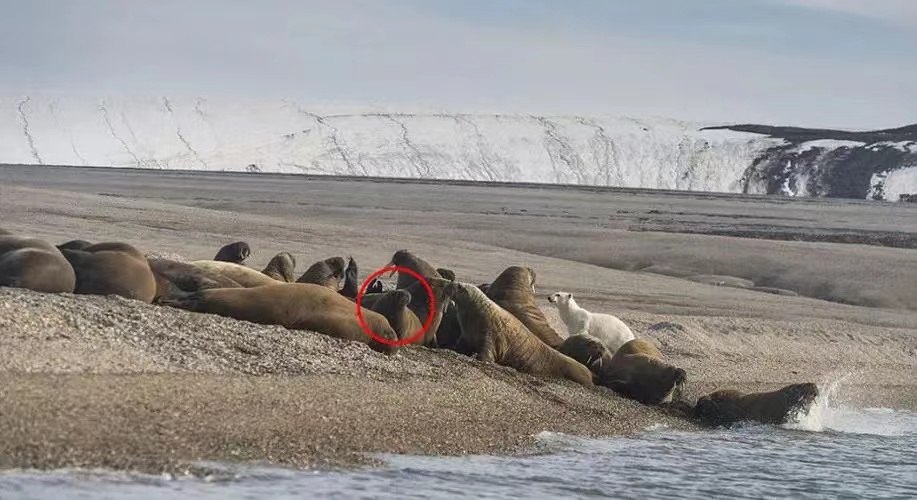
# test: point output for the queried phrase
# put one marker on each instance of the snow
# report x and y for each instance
(903, 146)
(825, 144)
(895, 183)
(285, 136)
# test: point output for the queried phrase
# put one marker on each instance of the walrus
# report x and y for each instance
(74, 245)
(34, 264)
(588, 350)
(243, 275)
(234, 252)
(499, 337)
(514, 290)
(724, 407)
(297, 306)
(637, 371)
(327, 273)
(394, 306)
(351, 280)
(112, 268)
(404, 258)
(447, 274)
(172, 275)
(420, 305)
(281, 267)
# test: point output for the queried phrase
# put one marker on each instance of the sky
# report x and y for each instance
(820, 63)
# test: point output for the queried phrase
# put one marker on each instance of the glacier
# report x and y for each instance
(283, 136)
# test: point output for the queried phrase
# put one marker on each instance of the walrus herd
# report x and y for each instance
(498, 322)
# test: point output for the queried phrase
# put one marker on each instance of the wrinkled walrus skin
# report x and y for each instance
(296, 306)
(501, 338)
(724, 407)
(514, 290)
(637, 371)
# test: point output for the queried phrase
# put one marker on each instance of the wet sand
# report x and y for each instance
(97, 381)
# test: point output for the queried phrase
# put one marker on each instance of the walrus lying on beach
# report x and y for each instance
(724, 407)
(588, 350)
(243, 275)
(172, 275)
(637, 371)
(297, 306)
(281, 267)
(514, 290)
(394, 306)
(328, 273)
(234, 252)
(420, 305)
(34, 264)
(501, 338)
(112, 268)
(74, 245)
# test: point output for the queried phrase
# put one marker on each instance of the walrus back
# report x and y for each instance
(37, 269)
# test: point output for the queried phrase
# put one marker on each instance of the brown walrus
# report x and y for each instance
(112, 268)
(327, 273)
(172, 275)
(351, 280)
(514, 290)
(74, 245)
(281, 267)
(447, 274)
(234, 252)
(588, 350)
(724, 407)
(242, 275)
(499, 337)
(420, 305)
(394, 306)
(637, 371)
(297, 306)
(404, 258)
(34, 264)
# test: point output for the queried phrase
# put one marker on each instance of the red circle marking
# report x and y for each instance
(427, 324)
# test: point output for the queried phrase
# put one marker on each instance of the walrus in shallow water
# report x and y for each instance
(328, 273)
(501, 338)
(351, 280)
(394, 306)
(724, 407)
(172, 275)
(281, 267)
(234, 252)
(112, 268)
(34, 264)
(297, 306)
(514, 290)
(637, 371)
(242, 275)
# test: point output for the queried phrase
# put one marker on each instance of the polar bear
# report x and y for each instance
(608, 329)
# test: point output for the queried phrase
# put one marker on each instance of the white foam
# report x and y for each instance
(828, 414)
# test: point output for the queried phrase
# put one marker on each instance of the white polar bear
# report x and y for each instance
(608, 329)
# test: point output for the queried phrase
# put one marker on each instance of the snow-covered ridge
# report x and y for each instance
(285, 136)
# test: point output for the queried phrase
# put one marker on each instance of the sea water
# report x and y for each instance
(832, 452)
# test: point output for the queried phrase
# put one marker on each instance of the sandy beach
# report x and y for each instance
(100, 381)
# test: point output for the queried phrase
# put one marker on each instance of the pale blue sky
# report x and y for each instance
(843, 63)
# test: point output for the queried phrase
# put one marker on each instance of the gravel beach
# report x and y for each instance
(108, 382)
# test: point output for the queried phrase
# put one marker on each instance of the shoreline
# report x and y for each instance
(98, 381)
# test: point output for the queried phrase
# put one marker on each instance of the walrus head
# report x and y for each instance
(234, 252)
(404, 258)
(328, 272)
(281, 267)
